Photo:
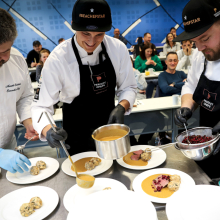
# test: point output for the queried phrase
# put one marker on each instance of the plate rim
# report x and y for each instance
(142, 167)
(74, 175)
(25, 188)
(152, 172)
(75, 186)
(8, 174)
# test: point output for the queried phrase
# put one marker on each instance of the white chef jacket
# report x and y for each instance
(184, 61)
(16, 95)
(61, 73)
(212, 72)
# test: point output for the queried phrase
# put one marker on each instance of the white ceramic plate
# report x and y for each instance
(102, 167)
(76, 194)
(186, 182)
(114, 204)
(10, 204)
(27, 178)
(158, 157)
(198, 202)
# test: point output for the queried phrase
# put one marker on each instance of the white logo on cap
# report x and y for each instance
(185, 17)
(92, 10)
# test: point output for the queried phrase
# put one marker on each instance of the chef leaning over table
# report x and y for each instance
(88, 94)
(16, 96)
(201, 21)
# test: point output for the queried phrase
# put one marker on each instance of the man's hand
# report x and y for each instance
(33, 64)
(181, 116)
(185, 50)
(184, 80)
(13, 161)
(54, 138)
(171, 85)
(117, 115)
(216, 129)
(30, 132)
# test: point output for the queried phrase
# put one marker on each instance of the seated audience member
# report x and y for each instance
(147, 59)
(170, 45)
(120, 37)
(173, 31)
(147, 38)
(141, 83)
(43, 57)
(33, 55)
(171, 81)
(61, 40)
(185, 55)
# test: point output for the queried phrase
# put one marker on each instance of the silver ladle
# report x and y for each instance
(21, 147)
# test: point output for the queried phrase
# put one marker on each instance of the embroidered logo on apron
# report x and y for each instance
(208, 102)
(99, 82)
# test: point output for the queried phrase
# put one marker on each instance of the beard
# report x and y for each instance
(215, 54)
(2, 62)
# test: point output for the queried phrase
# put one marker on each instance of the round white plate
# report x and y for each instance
(198, 202)
(76, 194)
(27, 178)
(102, 167)
(10, 204)
(186, 182)
(114, 204)
(158, 157)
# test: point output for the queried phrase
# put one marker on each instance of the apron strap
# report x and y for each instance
(76, 52)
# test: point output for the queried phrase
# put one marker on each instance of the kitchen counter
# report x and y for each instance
(61, 182)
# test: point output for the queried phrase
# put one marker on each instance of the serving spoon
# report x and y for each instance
(83, 180)
(21, 147)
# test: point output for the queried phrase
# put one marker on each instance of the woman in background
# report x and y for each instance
(147, 59)
(44, 54)
(170, 45)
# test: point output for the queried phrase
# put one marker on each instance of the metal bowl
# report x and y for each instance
(199, 151)
(115, 149)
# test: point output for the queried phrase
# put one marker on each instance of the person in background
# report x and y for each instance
(33, 55)
(16, 96)
(147, 59)
(170, 45)
(171, 81)
(120, 37)
(173, 31)
(141, 83)
(61, 40)
(44, 54)
(147, 38)
(185, 55)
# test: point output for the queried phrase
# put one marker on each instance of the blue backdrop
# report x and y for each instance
(124, 12)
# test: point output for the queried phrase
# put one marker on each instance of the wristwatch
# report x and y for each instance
(174, 84)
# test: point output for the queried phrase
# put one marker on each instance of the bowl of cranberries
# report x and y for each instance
(202, 141)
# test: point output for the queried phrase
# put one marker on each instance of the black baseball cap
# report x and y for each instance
(198, 16)
(36, 43)
(91, 15)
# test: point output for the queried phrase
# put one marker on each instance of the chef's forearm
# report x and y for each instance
(187, 101)
(27, 122)
(45, 129)
(125, 104)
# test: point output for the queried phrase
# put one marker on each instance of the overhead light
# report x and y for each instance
(157, 2)
(164, 40)
(131, 27)
(177, 26)
(28, 23)
(69, 26)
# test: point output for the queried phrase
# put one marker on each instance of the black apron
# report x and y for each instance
(91, 109)
(207, 95)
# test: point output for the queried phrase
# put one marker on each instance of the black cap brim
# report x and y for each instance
(91, 28)
(190, 35)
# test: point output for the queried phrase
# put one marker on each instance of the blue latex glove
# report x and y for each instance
(13, 161)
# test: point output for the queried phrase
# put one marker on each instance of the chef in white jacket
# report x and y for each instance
(16, 96)
(85, 70)
(201, 21)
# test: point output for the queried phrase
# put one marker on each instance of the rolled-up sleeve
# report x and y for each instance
(126, 83)
(23, 105)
